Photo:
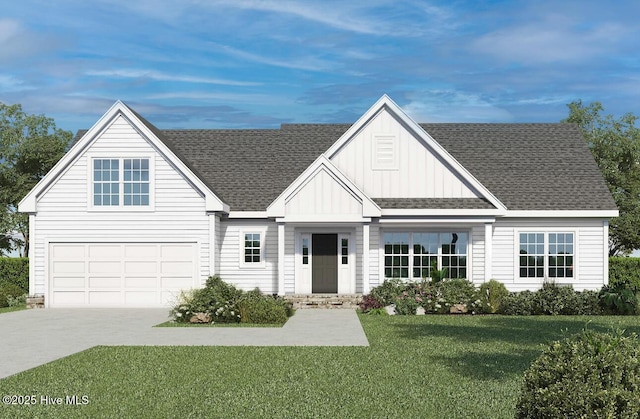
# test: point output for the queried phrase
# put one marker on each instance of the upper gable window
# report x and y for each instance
(121, 182)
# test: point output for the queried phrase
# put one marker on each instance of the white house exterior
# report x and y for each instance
(131, 214)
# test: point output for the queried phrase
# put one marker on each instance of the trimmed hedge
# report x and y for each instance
(15, 271)
(624, 272)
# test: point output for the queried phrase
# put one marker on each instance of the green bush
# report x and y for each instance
(225, 303)
(590, 375)
(619, 300)
(8, 293)
(255, 307)
(624, 272)
(389, 290)
(518, 303)
(15, 271)
(491, 295)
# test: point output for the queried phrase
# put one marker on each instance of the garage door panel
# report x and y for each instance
(75, 298)
(141, 251)
(135, 282)
(104, 282)
(176, 282)
(120, 274)
(68, 282)
(67, 252)
(105, 251)
(113, 267)
(67, 267)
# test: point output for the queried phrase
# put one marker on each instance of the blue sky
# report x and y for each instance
(238, 64)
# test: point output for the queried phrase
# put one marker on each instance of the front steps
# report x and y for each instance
(324, 300)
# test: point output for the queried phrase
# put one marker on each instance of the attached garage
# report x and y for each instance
(120, 274)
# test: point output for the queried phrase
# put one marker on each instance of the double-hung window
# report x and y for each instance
(413, 255)
(546, 255)
(121, 182)
(252, 248)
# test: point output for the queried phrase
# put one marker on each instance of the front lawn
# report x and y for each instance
(10, 309)
(416, 366)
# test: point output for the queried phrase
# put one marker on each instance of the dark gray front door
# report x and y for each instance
(324, 251)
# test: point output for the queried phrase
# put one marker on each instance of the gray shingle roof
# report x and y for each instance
(433, 203)
(526, 166)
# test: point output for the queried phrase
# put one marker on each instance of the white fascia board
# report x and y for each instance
(563, 214)
(437, 220)
(323, 220)
(28, 203)
(418, 212)
(248, 214)
(386, 102)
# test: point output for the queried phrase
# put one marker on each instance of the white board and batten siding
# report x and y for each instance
(262, 275)
(177, 215)
(590, 243)
(385, 160)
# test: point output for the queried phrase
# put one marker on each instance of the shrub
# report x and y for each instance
(369, 302)
(407, 302)
(8, 293)
(225, 303)
(255, 307)
(388, 291)
(18, 301)
(457, 291)
(619, 300)
(587, 375)
(491, 295)
(15, 271)
(624, 272)
(554, 299)
(518, 303)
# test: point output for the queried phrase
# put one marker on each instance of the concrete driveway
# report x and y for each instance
(30, 338)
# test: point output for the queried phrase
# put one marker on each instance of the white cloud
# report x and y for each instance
(452, 106)
(160, 76)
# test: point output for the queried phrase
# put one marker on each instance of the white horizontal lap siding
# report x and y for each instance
(477, 256)
(589, 249)
(63, 215)
(418, 173)
(374, 256)
(232, 246)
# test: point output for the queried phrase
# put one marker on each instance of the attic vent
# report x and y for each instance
(385, 152)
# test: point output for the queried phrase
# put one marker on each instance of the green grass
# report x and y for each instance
(416, 367)
(10, 309)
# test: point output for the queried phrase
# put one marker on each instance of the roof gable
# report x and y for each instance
(388, 155)
(147, 131)
(322, 193)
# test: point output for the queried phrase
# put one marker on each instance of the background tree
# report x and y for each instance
(29, 147)
(615, 144)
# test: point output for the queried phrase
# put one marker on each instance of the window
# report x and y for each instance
(546, 255)
(106, 184)
(344, 251)
(417, 253)
(305, 251)
(396, 255)
(121, 182)
(252, 253)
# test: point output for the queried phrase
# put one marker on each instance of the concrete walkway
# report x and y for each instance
(30, 338)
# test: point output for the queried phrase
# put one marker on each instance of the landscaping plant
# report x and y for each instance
(491, 295)
(589, 375)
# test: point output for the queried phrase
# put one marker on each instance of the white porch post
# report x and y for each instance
(605, 252)
(488, 251)
(213, 242)
(281, 238)
(365, 258)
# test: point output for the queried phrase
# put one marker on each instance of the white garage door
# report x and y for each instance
(119, 274)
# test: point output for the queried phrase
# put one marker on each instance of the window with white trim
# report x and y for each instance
(121, 182)
(546, 255)
(416, 253)
(305, 251)
(252, 248)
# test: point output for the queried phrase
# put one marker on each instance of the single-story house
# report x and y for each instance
(133, 214)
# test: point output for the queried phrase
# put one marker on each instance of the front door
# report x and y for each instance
(324, 251)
